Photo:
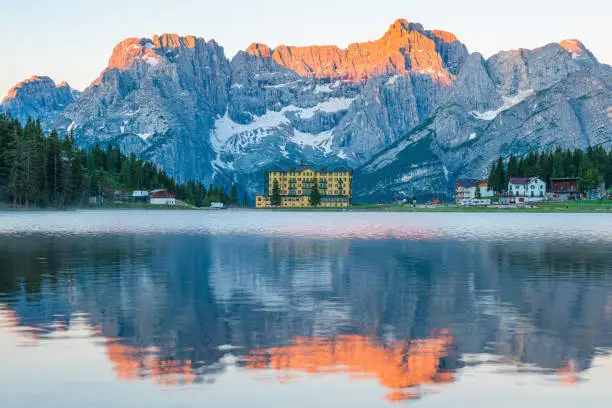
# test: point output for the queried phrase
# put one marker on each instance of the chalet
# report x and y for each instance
(162, 197)
(562, 189)
(524, 190)
(465, 192)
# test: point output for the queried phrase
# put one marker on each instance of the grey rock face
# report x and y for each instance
(38, 98)
(158, 98)
(412, 109)
(279, 114)
(575, 112)
(473, 88)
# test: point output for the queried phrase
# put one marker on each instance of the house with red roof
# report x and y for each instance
(465, 192)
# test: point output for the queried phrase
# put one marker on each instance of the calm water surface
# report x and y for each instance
(244, 309)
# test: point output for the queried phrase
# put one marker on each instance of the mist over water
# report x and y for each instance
(337, 309)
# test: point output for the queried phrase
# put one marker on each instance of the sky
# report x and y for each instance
(71, 40)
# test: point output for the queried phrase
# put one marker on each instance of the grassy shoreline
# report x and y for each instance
(584, 206)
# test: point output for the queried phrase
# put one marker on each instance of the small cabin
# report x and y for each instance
(162, 197)
(562, 189)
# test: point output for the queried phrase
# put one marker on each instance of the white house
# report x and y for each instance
(465, 192)
(140, 196)
(162, 197)
(526, 190)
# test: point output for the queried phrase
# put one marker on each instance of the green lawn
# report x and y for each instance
(594, 206)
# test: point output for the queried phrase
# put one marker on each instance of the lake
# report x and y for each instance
(302, 309)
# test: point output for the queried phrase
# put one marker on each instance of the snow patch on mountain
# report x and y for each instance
(145, 136)
(509, 102)
(322, 141)
(392, 80)
(323, 89)
(331, 105)
(71, 127)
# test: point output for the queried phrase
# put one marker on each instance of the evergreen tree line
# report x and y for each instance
(48, 171)
(591, 168)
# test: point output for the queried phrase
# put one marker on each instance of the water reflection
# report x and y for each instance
(183, 310)
(399, 366)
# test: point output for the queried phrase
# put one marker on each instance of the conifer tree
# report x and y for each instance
(234, 195)
(315, 196)
(276, 199)
(512, 167)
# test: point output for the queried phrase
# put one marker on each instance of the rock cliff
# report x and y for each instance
(38, 98)
(412, 111)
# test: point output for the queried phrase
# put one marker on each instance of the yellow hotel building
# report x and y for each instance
(335, 186)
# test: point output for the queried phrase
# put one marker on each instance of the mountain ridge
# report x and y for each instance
(180, 102)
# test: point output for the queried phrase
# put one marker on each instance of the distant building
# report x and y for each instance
(140, 196)
(162, 197)
(119, 196)
(96, 199)
(524, 190)
(295, 185)
(562, 189)
(465, 192)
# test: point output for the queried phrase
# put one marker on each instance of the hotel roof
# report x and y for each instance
(300, 168)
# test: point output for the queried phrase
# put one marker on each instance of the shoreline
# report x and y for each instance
(570, 207)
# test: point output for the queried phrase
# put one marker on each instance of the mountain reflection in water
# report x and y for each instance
(182, 310)
(398, 366)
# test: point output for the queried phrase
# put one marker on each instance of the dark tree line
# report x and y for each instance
(37, 170)
(592, 168)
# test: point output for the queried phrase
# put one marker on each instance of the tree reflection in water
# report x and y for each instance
(182, 309)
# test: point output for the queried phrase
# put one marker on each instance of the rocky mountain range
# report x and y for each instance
(411, 111)
(38, 98)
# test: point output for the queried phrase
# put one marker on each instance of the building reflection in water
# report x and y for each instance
(180, 310)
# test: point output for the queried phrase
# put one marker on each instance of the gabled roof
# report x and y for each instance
(466, 182)
(300, 168)
(564, 179)
(518, 180)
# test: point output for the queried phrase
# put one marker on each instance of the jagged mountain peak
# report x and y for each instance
(133, 51)
(149, 50)
(259, 50)
(577, 49)
(178, 101)
(405, 47)
(444, 36)
(401, 26)
(38, 97)
(30, 85)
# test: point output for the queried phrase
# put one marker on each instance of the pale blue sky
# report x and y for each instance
(71, 40)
